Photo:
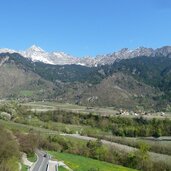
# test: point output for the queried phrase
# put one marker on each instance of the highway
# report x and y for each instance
(42, 162)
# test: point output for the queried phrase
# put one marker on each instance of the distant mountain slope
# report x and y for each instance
(119, 90)
(128, 83)
(18, 82)
(154, 71)
(54, 73)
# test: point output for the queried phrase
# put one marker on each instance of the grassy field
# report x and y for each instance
(46, 106)
(49, 127)
(32, 158)
(42, 106)
(79, 163)
(62, 169)
(42, 131)
(25, 128)
(24, 168)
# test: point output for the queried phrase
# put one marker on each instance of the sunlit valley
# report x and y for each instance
(93, 94)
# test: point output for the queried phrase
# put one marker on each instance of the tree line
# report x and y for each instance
(119, 126)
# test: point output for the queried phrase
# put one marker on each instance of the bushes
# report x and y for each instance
(119, 126)
(9, 151)
(95, 149)
(28, 142)
(92, 149)
(140, 160)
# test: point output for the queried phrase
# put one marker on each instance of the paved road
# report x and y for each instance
(52, 166)
(42, 162)
(163, 138)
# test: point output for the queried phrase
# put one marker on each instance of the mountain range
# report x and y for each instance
(131, 79)
(36, 53)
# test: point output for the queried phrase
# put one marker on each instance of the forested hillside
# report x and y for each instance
(141, 81)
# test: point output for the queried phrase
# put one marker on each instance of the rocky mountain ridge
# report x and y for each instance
(36, 53)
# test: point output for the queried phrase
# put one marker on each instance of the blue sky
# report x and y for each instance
(85, 27)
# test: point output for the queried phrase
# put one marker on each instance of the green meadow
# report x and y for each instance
(79, 163)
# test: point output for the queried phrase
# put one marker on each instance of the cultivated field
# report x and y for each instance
(50, 106)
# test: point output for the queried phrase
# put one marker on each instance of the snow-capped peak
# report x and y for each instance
(35, 48)
(35, 53)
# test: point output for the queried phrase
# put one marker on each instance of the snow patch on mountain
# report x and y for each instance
(5, 50)
(36, 53)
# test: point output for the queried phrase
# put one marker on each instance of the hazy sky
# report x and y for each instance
(85, 27)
